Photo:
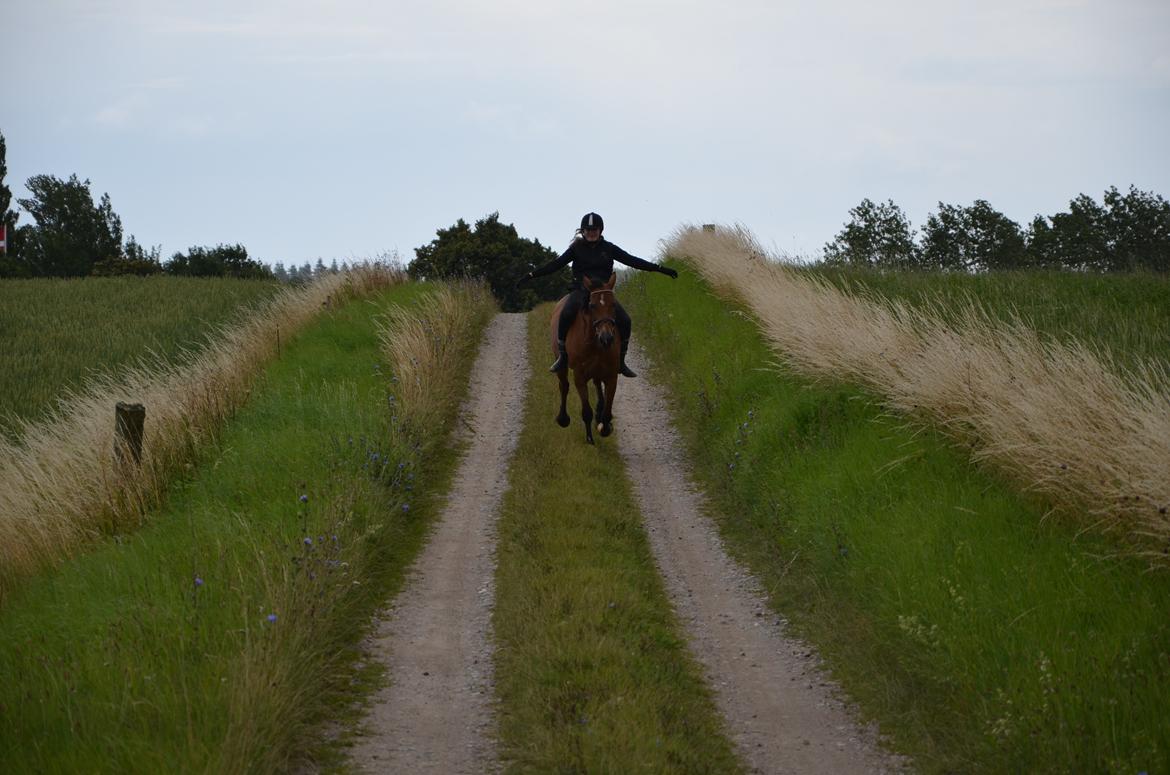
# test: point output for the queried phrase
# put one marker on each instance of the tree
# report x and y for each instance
(72, 233)
(972, 239)
(877, 235)
(494, 252)
(134, 259)
(1076, 239)
(220, 261)
(10, 263)
(1137, 230)
(5, 191)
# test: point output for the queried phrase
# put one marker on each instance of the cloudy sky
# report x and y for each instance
(349, 128)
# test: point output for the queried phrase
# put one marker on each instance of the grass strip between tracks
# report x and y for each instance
(981, 634)
(217, 637)
(591, 671)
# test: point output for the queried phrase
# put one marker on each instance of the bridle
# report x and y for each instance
(599, 321)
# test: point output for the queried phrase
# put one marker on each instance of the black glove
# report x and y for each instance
(524, 280)
(666, 270)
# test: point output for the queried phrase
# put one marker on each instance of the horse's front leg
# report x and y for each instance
(563, 416)
(599, 412)
(605, 418)
(586, 410)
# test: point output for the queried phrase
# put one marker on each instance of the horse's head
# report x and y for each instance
(601, 310)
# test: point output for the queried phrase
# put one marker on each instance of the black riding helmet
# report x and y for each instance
(592, 221)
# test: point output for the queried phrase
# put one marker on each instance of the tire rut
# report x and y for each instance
(783, 714)
(435, 716)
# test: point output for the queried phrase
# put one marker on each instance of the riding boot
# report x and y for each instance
(625, 370)
(562, 361)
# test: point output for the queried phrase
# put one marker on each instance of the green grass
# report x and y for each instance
(1127, 315)
(56, 333)
(591, 672)
(982, 635)
(121, 661)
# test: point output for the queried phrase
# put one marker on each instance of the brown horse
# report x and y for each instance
(594, 347)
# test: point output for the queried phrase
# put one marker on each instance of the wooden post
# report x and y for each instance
(708, 227)
(129, 421)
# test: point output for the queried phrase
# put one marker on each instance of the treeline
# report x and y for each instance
(75, 237)
(1126, 232)
(307, 271)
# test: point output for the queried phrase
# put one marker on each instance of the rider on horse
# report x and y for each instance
(592, 257)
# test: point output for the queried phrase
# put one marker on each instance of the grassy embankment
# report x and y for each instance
(56, 334)
(1059, 418)
(591, 671)
(1126, 316)
(61, 483)
(216, 637)
(983, 631)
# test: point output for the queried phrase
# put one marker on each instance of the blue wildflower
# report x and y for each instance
(304, 498)
(308, 541)
(198, 581)
(271, 617)
(406, 507)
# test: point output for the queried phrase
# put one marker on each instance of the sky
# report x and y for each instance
(351, 129)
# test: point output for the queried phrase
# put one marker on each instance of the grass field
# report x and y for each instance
(220, 635)
(591, 671)
(54, 334)
(1127, 315)
(983, 635)
(62, 483)
(1058, 417)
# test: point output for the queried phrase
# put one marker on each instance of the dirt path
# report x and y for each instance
(436, 714)
(782, 712)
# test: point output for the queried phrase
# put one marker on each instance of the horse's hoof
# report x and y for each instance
(605, 430)
(563, 421)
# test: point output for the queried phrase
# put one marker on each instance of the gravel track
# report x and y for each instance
(783, 714)
(435, 716)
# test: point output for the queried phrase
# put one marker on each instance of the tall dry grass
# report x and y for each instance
(425, 342)
(61, 483)
(1062, 419)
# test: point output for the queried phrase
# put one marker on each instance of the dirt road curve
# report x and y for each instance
(435, 715)
(781, 711)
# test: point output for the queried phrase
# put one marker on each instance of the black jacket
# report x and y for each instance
(594, 260)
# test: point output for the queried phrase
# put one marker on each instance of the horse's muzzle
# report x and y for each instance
(605, 339)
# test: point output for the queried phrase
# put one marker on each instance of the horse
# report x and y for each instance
(594, 347)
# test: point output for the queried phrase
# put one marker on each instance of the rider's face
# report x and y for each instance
(592, 234)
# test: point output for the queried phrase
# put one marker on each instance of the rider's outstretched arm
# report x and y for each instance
(622, 257)
(562, 260)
